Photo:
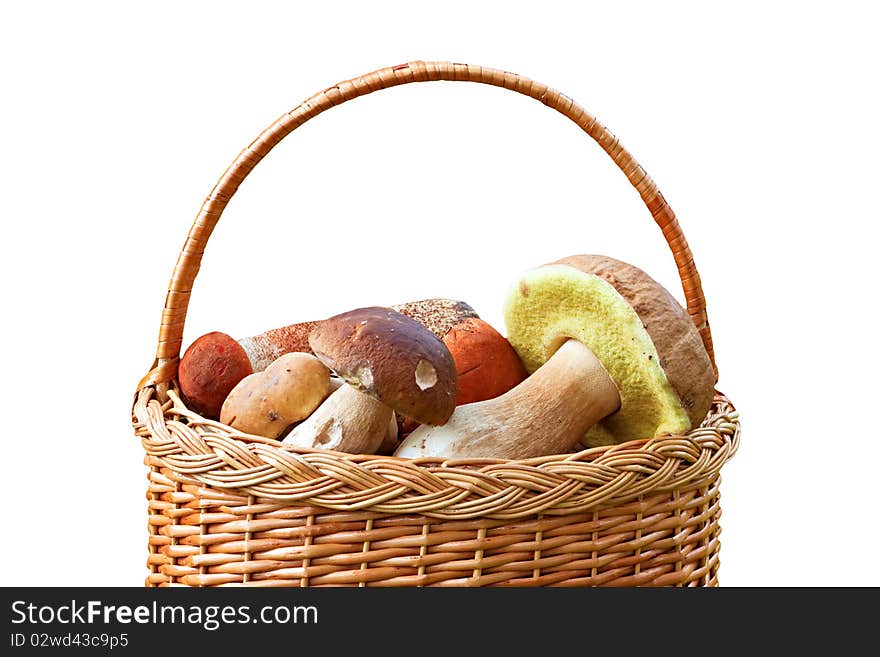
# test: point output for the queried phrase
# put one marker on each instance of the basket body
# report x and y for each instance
(227, 508)
(665, 539)
(593, 527)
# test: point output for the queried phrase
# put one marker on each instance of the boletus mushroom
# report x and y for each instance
(389, 362)
(612, 357)
(267, 403)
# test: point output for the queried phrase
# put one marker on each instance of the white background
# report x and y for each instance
(758, 122)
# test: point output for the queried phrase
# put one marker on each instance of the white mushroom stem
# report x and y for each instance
(264, 348)
(548, 413)
(389, 442)
(347, 421)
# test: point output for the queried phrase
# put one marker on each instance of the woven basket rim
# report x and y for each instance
(222, 458)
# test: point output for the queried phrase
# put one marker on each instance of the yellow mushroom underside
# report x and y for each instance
(556, 302)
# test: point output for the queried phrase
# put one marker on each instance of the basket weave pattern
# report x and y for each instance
(227, 508)
(642, 513)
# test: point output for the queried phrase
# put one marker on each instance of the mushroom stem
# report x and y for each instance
(548, 413)
(264, 348)
(347, 421)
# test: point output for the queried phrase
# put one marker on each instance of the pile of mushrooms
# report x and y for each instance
(389, 363)
(596, 353)
(613, 357)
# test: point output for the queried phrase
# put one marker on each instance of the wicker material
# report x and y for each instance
(230, 508)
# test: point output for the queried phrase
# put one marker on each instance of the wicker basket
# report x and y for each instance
(226, 508)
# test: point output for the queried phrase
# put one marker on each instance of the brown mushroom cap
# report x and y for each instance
(265, 348)
(392, 358)
(266, 403)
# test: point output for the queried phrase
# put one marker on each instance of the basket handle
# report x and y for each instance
(164, 367)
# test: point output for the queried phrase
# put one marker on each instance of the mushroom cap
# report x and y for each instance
(266, 347)
(209, 369)
(266, 403)
(392, 358)
(439, 315)
(642, 336)
(486, 364)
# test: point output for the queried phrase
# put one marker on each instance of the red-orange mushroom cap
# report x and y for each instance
(209, 369)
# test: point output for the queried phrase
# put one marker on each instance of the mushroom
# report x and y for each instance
(612, 356)
(389, 363)
(267, 403)
(486, 363)
(209, 369)
(215, 362)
